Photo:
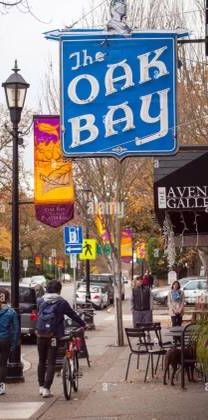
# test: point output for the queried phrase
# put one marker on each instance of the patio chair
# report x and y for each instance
(189, 337)
(159, 349)
(138, 346)
(154, 337)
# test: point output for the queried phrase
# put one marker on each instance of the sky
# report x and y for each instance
(21, 38)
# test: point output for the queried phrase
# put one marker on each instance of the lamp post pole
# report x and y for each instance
(15, 90)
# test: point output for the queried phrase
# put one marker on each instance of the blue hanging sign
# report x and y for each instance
(73, 235)
(118, 93)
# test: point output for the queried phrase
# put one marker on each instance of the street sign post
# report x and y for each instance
(73, 265)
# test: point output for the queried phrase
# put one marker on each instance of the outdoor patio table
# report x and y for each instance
(178, 332)
(175, 332)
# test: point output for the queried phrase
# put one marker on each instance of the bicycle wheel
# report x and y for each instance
(67, 378)
(75, 372)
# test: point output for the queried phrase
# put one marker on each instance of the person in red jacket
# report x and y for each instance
(148, 279)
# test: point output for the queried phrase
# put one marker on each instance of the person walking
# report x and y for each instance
(141, 302)
(9, 335)
(176, 304)
(50, 328)
(148, 279)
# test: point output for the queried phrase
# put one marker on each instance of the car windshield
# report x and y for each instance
(101, 279)
(93, 289)
(187, 279)
(37, 278)
(183, 282)
(26, 294)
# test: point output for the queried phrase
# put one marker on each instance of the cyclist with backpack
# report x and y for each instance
(50, 328)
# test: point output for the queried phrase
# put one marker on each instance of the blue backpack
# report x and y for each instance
(47, 319)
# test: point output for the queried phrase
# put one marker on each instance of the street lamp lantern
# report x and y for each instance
(15, 90)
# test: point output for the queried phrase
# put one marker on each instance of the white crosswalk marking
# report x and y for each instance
(18, 410)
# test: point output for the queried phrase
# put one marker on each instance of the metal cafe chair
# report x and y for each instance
(137, 345)
(189, 337)
(154, 337)
(159, 349)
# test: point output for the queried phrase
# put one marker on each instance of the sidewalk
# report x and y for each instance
(103, 394)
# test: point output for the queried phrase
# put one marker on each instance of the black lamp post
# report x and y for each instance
(15, 90)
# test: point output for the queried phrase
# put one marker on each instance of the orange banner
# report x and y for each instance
(53, 174)
(126, 245)
(38, 260)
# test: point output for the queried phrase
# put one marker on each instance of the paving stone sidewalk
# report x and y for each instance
(103, 393)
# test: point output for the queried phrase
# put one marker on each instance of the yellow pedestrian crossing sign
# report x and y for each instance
(89, 249)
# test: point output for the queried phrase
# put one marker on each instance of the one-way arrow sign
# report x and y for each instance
(73, 249)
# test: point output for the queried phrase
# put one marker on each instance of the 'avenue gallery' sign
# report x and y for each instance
(183, 197)
(118, 94)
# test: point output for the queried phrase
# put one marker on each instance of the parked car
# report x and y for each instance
(39, 279)
(28, 296)
(98, 295)
(26, 280)
(108, 279)
(193, 287)
(65, 277)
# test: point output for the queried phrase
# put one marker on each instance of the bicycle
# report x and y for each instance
(70, 370)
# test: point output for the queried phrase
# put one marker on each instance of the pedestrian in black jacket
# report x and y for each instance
(50, 328)
(141, 303)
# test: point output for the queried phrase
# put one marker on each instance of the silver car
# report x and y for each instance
(98, 295)
(193, 287)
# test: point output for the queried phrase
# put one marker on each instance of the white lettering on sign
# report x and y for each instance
(184, 197)
(72, 89)
(162, 204)
(77, 128)
(110, 80)
(110, 122)
(162, 117)
(82, 59)
(113, 83)
(146, 65)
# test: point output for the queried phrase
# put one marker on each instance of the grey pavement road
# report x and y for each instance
(103, 393)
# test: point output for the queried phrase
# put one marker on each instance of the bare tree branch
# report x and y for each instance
(11, 4)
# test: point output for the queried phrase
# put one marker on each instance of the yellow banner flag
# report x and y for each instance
(53, 174)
